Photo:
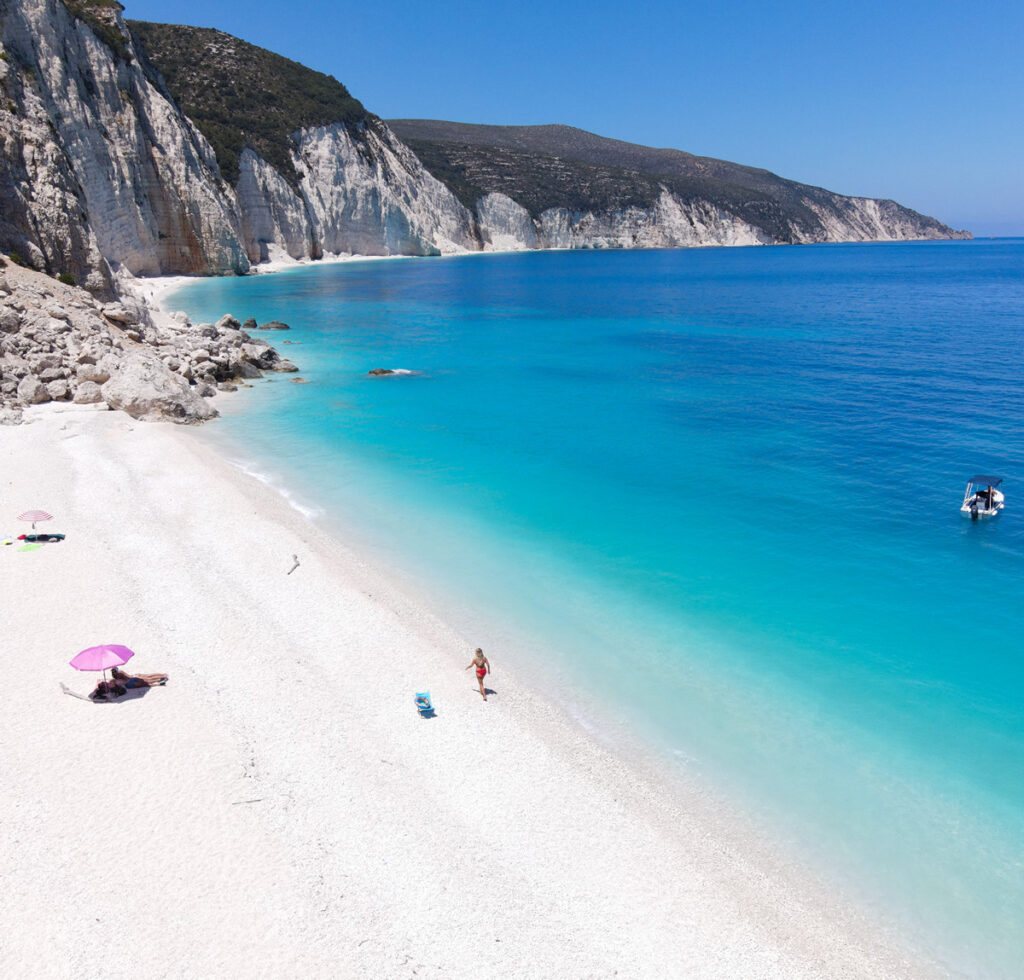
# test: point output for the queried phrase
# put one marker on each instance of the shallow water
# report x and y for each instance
(714, 495)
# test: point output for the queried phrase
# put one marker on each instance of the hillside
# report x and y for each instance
(240, 95)
(550, 166)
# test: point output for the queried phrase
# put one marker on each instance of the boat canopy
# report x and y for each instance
(988, 481)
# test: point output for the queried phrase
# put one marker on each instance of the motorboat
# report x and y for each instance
(982, 498)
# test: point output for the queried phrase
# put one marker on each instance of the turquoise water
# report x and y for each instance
(711, 496)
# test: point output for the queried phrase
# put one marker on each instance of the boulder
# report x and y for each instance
(380, 372)
(239, 367)
(263, 356)
(250, 324)
(10, 320)
(88, 393)
(228, 321)
(283, 365)
(31, 391)
(92, 372)
(144, 388)
(58, 390)
(275, 325)
(10, 416)
(52, 374)
(117, 313)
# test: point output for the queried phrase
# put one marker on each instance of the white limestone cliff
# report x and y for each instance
(372, 196)
(671, 223)
(144, 189)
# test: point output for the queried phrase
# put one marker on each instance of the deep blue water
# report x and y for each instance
(711, 496)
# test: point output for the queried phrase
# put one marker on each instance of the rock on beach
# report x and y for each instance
(58, 343)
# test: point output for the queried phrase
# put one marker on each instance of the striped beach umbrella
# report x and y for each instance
(35, 515)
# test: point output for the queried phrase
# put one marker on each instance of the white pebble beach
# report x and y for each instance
(280, 809)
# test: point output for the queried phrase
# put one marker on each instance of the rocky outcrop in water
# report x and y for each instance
(59, 343)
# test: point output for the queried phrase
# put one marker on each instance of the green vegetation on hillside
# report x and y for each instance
(242, 96)
(101, 16)
(540, 181)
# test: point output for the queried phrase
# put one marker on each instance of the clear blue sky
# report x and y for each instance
(922, 102)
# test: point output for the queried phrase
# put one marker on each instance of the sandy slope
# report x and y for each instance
(280, 810)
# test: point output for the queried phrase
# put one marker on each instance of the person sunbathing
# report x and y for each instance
(106, 690)
(137, 680)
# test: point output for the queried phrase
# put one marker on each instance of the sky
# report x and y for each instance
(921, 102)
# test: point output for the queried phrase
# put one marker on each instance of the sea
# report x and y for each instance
(708, 499)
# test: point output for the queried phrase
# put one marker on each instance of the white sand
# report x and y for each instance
(280, 809)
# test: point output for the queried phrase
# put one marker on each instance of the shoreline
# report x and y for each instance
(386, 836)
(584, 715)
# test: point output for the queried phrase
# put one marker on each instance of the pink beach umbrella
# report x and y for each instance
(103, 657)
(35, 515)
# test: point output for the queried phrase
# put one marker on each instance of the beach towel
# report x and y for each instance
(30, 547)
(75, 694)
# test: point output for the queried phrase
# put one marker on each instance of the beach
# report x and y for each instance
(281, 809)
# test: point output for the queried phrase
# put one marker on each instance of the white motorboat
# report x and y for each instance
(981, 498)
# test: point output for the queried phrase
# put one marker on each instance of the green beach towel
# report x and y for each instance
(30, 547)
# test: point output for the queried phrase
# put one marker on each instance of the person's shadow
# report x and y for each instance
(131, 694)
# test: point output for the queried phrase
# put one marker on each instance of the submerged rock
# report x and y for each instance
(380, 372)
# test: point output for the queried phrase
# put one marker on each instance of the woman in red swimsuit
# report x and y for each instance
(483, 667)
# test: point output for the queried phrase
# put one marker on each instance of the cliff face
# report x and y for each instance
(668, 223)
(101, 171)
(98, 163)
(367, 196)
(315, 172)
(561, 187)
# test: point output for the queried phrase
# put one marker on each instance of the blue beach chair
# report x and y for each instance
(424, 705)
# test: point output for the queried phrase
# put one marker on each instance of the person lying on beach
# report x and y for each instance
(107, 690)
(138, 680)
(482, 669)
